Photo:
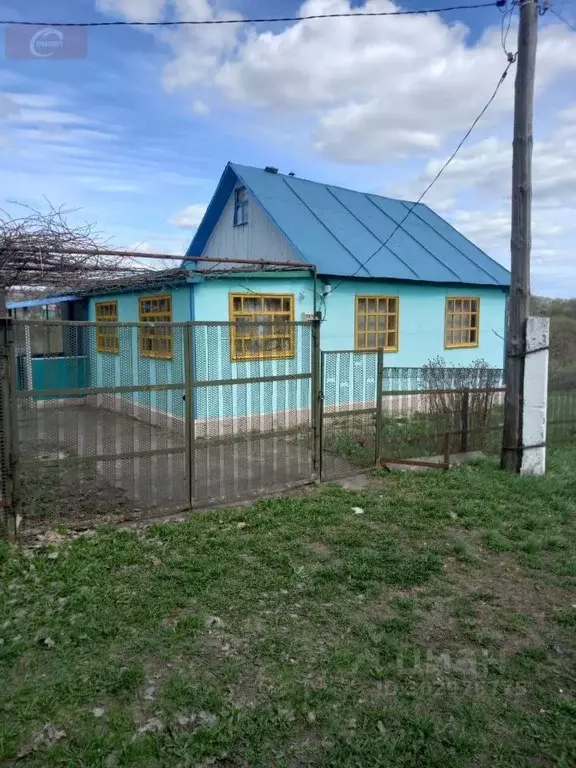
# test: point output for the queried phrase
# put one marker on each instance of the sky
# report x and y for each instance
(134, 133)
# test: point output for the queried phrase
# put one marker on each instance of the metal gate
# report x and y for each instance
(250, 422)
(350, 412)
(126, 420)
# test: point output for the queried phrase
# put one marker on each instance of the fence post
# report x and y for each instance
(9, 486)
(316, 385)
(465, 421)
(378, 419)
(189, 425)
(321, 418)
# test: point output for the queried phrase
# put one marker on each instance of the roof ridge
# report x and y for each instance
(324, 183)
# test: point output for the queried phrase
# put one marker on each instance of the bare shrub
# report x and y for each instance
(463, 399)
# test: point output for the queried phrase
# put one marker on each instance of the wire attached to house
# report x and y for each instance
(207, 22)
(511, 61)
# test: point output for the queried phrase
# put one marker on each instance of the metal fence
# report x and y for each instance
(375, 413)
(561, 423)
(124, 421)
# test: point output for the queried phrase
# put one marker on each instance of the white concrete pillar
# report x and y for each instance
(535, 396)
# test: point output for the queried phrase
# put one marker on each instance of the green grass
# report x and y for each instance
(434, 629)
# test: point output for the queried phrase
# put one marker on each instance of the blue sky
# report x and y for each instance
(136, 134)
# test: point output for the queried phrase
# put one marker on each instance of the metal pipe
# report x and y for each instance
(214, 260)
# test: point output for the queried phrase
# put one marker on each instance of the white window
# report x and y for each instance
(240, 207)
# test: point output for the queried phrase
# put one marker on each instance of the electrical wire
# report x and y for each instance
(558, 16)
(440, 172)
(507, 16)
(207, 22)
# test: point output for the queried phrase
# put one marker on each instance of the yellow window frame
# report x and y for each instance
(154, 340)
(107, 341)
(462, 322)
(251, 342)
(382, 312)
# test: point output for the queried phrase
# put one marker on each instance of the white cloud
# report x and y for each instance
(132, 10)
(373, 89)
(106, 184)
(159, 245)
(491, 228)
(190, 217)
(54, 117)
(369, 90)
(553, 268)
(478, 182)
(484, 167)
(198, 51)
(141, 247)
(200, 107)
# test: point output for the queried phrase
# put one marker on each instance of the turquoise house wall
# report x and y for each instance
(348, 378)
(128, 367)
(351, 379)
(212, 352)
(421, 321)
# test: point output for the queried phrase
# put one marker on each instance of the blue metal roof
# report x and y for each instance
(39, 302)
(339, 229)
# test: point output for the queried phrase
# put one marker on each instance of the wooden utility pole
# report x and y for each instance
(520, 242)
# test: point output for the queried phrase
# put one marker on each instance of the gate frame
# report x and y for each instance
(376, 409)
(9, 463)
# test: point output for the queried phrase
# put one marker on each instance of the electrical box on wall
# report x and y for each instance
(307, 317)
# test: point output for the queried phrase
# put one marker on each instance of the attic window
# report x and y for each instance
(240, 207)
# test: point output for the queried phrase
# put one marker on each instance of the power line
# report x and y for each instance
(558, 16)
(440, 172)
(507, 15)
(206, 22)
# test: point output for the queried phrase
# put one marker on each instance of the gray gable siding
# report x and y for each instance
(258, 240)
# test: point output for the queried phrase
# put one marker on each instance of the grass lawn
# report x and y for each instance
(437, 628)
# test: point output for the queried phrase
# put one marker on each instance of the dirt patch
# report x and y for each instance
(486, 600)
(220, 643)
(252, 688)
(73, 496)
(319, 548)
(156, 671)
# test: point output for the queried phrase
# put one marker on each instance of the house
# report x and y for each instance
(418, 290)
(280, 248)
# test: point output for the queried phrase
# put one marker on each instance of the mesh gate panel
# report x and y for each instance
(252, 425)
(349, 412)
(101, 434)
